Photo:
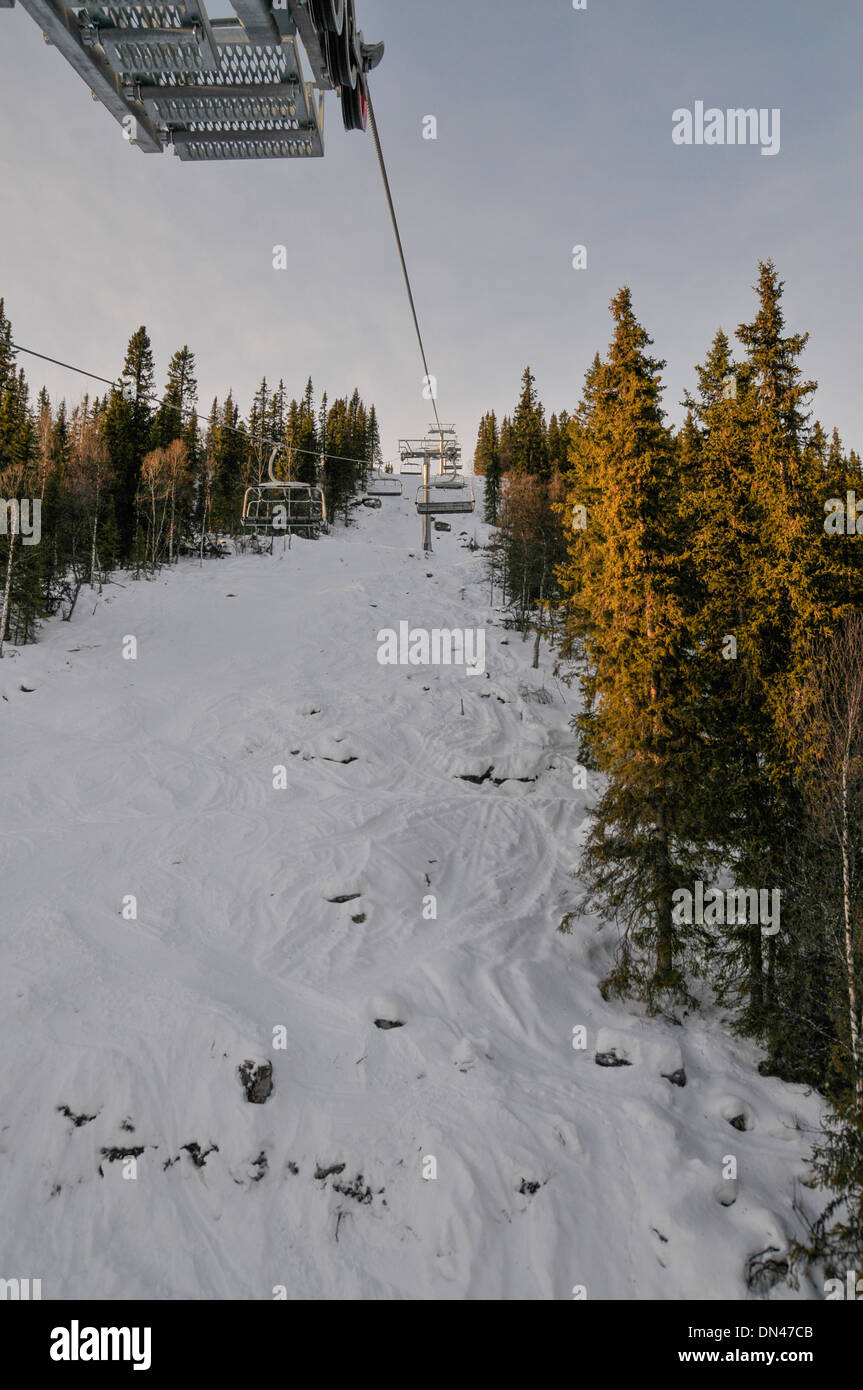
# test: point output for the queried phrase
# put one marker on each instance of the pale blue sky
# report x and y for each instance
(554, 129)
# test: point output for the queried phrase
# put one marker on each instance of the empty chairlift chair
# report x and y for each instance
(447, 495)
(278, 508)
(384, 485)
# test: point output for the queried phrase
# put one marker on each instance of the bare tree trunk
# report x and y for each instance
(93, 539)
(4, 616)
(664, 907)
(539, 622)
(834, 792)
(850, 962)
(74, 591)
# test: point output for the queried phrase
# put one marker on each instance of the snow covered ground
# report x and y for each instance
(154, 777)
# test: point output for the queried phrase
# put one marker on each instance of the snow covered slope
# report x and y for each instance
(155, 778)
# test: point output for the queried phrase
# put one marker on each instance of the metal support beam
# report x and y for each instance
(274, 91)
(427, 521)
(62, 30)
(305, 135)
(309, 35)
(257, 20)
(107, 33)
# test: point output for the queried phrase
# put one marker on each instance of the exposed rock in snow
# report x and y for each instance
(257, 1081)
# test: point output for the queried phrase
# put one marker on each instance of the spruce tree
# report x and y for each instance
(175, 418)
(128, 431)
(229, 452)
(529, 444)
(639, 724)
(489, 451)
(305, 438)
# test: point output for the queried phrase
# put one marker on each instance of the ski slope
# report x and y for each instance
(154, 777)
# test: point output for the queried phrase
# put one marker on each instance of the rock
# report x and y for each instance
(198, 1155)
(257, 1081)
(77, 1120)
(361, 1194)
(643, 1046)
(321, 1173)
(477, 779)
(736, 1112)
(386, 1023)
(611, 1059)
(677, 1078)
(114, 1153)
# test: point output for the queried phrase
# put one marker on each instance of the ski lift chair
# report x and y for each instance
(282, 507)
(449, 503)
(382, 486)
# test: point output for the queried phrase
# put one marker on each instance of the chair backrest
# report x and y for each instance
(448, 505)
(283, 506)
(384, 487)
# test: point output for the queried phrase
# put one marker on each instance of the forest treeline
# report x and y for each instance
(132, 478)
(705, 584)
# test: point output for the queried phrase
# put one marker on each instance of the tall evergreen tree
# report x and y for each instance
(228, 449)
(529, 443)
(638, 723)
(129, 430)
(304, 437)
(176, 418)
(487, 462)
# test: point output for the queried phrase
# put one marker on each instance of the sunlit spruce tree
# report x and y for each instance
(640, 722)
(794, 584)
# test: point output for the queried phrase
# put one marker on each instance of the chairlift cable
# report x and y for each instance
(117, 385)
(387, 190)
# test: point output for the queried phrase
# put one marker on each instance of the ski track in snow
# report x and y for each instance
(154, 777)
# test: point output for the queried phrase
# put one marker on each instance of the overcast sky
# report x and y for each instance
(554, 129)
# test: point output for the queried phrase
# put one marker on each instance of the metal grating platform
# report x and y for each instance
(209, 89)
(248, 145)
(151, 38)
